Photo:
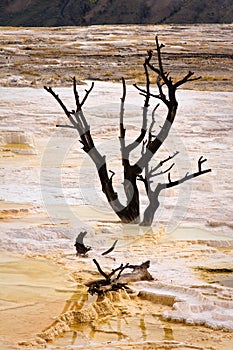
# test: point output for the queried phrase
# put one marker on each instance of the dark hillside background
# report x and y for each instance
(88, 12)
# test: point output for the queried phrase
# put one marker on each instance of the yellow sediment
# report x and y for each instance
(29, 299)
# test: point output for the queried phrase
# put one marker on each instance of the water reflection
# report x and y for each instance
(133, 324)
(76, 302)
(168, 333)
(143, 328)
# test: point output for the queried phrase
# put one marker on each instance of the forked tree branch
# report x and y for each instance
(187, 177)
(170, 101)
(79, 122)
(112, 283)
(153, 195)
(147, 95)
(67, 112)
(186, 79)
(108, 276)
(153, 172)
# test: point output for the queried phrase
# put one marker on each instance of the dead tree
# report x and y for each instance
(139, 170)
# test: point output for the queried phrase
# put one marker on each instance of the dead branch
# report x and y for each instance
(65, 126)
(153, 195)
(122, 128)
(150, 135)
(100, 270)
(186, 79)
(57, 98)
(149, 174)
(142, 135)
(187, 176)
(81, 249)
(144, 93)
(152, 172)
(168, 158)
(170, 101)
(124, 90)
(110, 282)
(113, 173)
(111, 248)
(79, 122)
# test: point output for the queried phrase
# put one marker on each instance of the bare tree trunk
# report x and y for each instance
(150, 210)
(132, 212)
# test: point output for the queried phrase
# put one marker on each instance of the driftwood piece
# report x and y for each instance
(116, 279)
(81, 249)
(111, 248)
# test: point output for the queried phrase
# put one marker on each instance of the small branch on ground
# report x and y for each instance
(111, 248)
(111, 282)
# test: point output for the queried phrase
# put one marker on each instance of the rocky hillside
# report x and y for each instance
(88, 12)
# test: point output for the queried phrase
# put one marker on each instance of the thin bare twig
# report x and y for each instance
(111, 248)
(187, 175)
(57, 98)
(87, 94)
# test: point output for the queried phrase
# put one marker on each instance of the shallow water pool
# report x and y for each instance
(32, 293)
